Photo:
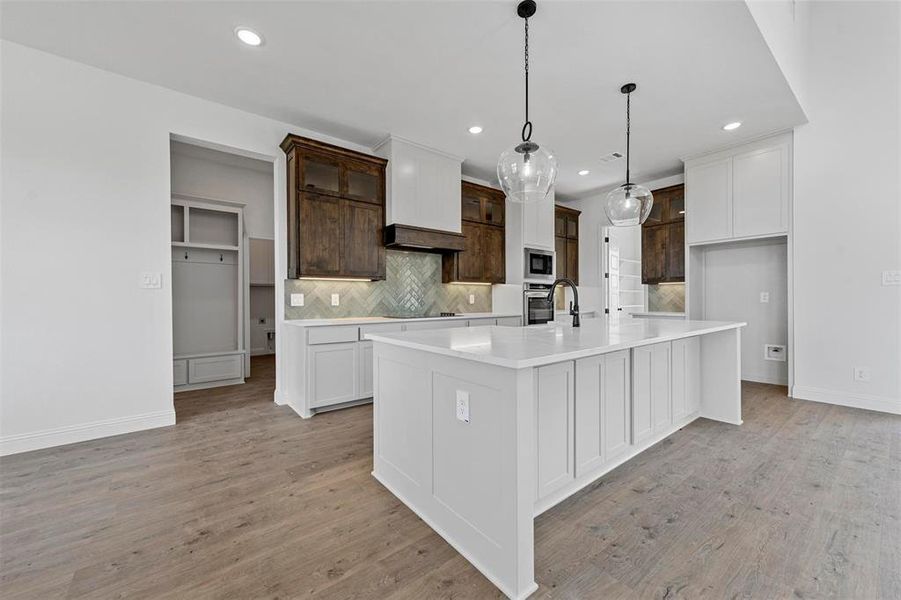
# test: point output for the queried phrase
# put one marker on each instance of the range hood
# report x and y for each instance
(408, 237)
(422, 203)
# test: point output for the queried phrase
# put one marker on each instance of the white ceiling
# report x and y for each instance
(429, 70)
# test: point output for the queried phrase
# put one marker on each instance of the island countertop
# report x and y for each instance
(522, 347)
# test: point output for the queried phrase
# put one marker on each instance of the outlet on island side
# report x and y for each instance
(463, 406)
(862, 374)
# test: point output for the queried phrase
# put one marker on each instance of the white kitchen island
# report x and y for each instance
(479, 430)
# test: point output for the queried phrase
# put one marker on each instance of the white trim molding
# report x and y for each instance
(70, 434)
(866, 401)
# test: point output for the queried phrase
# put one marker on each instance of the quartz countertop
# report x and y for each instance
(521, 347)
(368, 320)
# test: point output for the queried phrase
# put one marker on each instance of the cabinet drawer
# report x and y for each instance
(380, 328)
(180, 372)
(509, 322)
(332, 335)
(215, 368)
(482, 322)
(436, 324)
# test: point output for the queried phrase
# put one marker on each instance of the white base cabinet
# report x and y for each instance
(333, 373)
(335, 361)
(621, 402)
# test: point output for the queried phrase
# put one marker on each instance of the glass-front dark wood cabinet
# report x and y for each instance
(663, 238)
(483, 258)
(336, 211)
(566, 242)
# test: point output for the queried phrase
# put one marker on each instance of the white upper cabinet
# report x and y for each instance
(262, 261)
(538, 223)
(760, 190)
(743, 192)
(422, 186)
(708, 193)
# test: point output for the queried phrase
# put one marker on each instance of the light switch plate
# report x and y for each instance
(891, 278)
(296, 299)
(463, 406)
(336, 300)
(764, 297)
(151, 281)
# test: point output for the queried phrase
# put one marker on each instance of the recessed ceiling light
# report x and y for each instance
(249, 36)
(731, 126)
(475, 129)
(584, 172)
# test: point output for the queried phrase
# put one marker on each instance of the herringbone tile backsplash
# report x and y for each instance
(666, 298)
(413, 286)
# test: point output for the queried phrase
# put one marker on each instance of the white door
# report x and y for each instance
(333, 373)
(661, 391)
(641, 394)
(554, 427)
(708, 201)
(602, 405)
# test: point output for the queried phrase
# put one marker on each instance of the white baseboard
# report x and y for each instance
(764, 379)
(48, 438)
(865, 401)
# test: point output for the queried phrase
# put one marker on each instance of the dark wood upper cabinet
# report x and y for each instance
(483, 258)
(336, 211)
(663, 238)
(566, 242)
(321, 233)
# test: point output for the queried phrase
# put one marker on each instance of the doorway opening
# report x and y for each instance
(223, 271)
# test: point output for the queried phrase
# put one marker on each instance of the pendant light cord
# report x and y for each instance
(528, 123)
(628, 133)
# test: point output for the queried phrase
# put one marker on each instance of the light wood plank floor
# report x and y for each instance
(242, 499)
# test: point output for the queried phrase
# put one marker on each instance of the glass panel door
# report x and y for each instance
(319, 174)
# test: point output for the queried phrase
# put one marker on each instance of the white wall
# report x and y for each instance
(846, 219)
(212, 174)
(85, 202)
(734, 276)
(784, 26)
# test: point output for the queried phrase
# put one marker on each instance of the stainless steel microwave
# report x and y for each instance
(539, 265)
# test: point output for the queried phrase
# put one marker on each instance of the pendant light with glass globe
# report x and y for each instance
(629, 204)
(527, 171)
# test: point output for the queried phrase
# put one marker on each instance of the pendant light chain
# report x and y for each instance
(628, 133)
(528, 123)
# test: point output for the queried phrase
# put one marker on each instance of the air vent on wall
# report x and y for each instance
(611, 157)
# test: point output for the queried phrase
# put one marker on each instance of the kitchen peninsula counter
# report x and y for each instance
(480, 429)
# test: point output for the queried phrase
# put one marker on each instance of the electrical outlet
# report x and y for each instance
(862, 374)
(891, 278)
(336, 300)
(472, 298)
(764, 297)
(151, 281)
(463, 406)
(296, 299)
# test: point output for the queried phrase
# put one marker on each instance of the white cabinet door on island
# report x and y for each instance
(604, 409)
(554, 406)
